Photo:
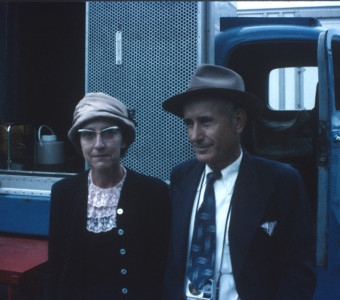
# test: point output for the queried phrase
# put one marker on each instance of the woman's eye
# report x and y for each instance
(88, 135)
(108, 133)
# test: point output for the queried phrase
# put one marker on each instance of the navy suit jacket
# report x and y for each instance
(280, 266)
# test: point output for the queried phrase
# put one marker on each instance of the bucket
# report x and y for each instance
(50, 151)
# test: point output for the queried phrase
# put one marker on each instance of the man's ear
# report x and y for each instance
(240, 119)
(123, 145)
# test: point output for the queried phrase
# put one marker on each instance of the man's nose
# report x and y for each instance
(195, 133)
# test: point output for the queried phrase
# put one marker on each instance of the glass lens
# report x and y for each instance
(107, 134)
(88, 135)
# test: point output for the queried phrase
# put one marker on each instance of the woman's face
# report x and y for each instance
(101, 145)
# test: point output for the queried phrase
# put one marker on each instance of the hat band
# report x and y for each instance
(195, 88)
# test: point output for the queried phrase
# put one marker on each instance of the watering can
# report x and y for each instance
(50, 151)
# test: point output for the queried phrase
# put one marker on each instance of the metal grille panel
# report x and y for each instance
(159, 54)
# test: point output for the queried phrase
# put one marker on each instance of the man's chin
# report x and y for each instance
(203, 158)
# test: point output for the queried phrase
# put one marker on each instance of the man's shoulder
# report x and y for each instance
(186, 169)
(186, 165)
(270, 168)
(272, 164)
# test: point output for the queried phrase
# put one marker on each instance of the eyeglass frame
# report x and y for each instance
(117, 128)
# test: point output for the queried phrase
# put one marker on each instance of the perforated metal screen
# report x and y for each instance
(159, 54)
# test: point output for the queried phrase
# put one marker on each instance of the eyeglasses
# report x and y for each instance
(107, 134)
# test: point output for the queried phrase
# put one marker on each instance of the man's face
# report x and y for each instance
(213, 132)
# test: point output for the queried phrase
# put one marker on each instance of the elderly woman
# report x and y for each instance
(109, 224)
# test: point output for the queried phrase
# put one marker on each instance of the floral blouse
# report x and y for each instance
(102, 206)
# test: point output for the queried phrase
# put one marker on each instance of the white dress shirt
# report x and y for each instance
(223, 188)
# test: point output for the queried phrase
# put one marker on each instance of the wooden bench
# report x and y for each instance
(20, 257)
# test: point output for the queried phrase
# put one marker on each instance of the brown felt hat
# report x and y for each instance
(216, 81)
(101, 106)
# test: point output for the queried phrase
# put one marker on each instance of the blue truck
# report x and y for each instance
(293, 65)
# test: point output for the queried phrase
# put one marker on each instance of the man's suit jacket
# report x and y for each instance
(145, 221)
(280, 265)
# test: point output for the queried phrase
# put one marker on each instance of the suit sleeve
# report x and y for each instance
(174, 277)
(161, 227)
(55, 251)
(296, 241)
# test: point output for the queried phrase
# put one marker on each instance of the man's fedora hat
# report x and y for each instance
(216, 81)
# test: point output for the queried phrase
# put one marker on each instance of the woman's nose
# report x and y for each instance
(99, 142)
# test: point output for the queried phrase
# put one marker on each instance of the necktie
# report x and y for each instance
(202, 252)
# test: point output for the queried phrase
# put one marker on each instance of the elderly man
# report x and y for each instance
(241, 225)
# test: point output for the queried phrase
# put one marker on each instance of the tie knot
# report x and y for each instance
(212, 176)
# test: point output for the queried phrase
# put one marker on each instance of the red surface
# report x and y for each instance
(20, 255)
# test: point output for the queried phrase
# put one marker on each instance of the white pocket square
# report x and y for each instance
(269, 227)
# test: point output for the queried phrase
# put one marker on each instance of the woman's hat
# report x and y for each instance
(96, 106)
(216, 81)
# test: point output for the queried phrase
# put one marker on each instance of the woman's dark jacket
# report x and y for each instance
(140, 245)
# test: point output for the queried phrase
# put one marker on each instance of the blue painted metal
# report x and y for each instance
(24, 215)
(329, 277)
(236, 35)
(228, 40)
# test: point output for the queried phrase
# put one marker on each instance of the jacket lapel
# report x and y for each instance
(80, 193)
(73, 246)
(248, 207)
(183, 194)
(129, 192)
(79, 218)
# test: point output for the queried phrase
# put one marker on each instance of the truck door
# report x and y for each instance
(328, 217)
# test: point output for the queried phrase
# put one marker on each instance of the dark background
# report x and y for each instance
(42, 66)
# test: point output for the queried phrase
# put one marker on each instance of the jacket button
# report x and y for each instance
(120, 211)
(122, 251)
(123, 271)
(120, 231)
(124, 291)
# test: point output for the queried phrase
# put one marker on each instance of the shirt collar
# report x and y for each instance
(229, 170)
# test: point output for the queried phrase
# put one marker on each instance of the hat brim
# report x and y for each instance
(250, 103)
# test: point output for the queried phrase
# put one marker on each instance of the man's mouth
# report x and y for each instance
(201, 148)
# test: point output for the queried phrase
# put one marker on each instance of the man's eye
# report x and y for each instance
(187, 124)
(206, 121)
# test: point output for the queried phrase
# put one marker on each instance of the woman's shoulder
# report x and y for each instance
(142, 179)
(70, 180)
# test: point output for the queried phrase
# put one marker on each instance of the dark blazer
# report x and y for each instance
(145, 223)
(280, 266)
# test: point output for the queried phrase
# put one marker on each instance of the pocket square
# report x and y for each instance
(269, 227)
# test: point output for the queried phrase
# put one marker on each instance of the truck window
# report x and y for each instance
(292, 88)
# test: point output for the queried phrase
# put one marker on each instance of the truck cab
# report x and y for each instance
(292, 64)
